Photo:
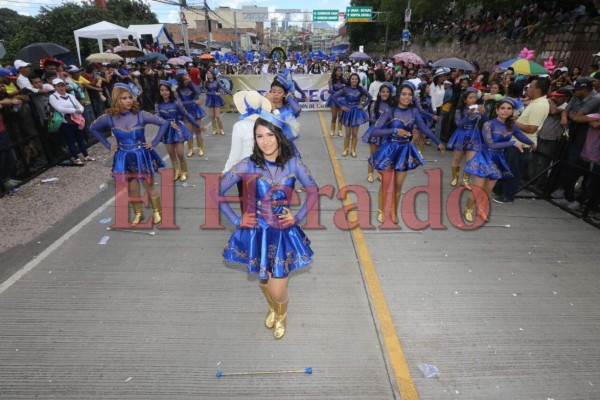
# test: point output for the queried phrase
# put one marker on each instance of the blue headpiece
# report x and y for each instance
(509, 101)
(472, 90)
(409, 85)
(289, 127)
(123, 86)
(163, 82)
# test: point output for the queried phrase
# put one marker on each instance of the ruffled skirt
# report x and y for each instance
(398, 156)
(368, 138)
(286, 250)
(354, 117)
(489, 164)
(465, 139)
(183, 134)
(214, 100)
(195, 110)
(139, 163)
(329, 102)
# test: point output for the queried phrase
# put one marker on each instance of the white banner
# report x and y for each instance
(315, 87)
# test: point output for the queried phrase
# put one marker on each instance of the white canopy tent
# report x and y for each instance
(103, 30)
(158, 32)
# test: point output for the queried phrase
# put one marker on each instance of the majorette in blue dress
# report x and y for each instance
(333, 89)
(350, 97)
(212, 98)
(131, 157)
(173, 111)
(289, 112)
(489, 162)
(467, 136)
(188, 96)
(368, 137)
(268, 247)
(397, 152)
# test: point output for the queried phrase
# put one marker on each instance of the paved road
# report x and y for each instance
(504, 313)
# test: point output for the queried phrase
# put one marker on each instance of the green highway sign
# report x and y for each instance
(359, 14)
(326, 15)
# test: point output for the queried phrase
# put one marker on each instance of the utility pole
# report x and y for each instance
(235, 32)
(407, 15)
(184, 27)
(208, 30)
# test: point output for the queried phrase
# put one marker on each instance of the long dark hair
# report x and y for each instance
(334, 78)
(510, 123)
(462, 101)
(285, 149)
(389, 101)
(350, 78)
(159, 98)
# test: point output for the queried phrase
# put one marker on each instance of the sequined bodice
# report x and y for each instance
(186, 94)
(169, 111)
(212, 87)
(352, 96)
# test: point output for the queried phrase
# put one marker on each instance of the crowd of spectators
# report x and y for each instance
(514, 24)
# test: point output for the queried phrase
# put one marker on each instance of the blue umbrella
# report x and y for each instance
(359, 56)
(152, 57)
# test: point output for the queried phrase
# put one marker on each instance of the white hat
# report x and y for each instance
(447, 82)
(390, 65)
(57, 81)
(73, 69)
(253, 99)
(440, 71)
(20, 64)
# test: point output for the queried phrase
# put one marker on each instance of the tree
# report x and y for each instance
(56, 25)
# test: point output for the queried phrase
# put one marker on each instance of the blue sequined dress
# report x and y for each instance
(188, 96)
(289, 112)
(424, 107)
(212, 98)
(397, 152)
(466, 137)
(131, 156)
(333, 89)
(173, 111)
(489, 162)
(350, 97)
(368, 137)
(268, 247)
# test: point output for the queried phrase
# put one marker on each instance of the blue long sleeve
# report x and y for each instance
(489, 138)
(424, 128)
(98, 126)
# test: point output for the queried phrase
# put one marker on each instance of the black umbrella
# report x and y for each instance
(36, 51)
(454, 62)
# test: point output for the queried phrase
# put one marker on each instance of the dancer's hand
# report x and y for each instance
(344, 108)
(442, 147)
(113, 147)
(519, 146)
(174, 125)
(148, 145)
(248, 220)
(286, 218)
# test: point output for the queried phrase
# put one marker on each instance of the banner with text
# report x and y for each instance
(315, 87)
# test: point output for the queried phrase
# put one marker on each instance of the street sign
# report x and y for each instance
(359, 14)
(2, 50)
(255, 14)
(326, 15)
(407, 15)
(342, 15)
(405, 35)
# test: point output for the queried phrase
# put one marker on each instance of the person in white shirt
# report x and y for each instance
(73, 123)
(247, 103)
(23, 71)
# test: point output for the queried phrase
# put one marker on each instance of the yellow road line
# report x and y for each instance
(404, 379)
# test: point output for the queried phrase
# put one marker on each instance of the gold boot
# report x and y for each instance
(177, 172)
(455, 174)
(340, 129)
(370, 177)
(346, 146)
(184, 171)
(214, 127)
(200, 145)
(332, 128)
(280, 319)
(138, 211)
(469, 209)
(270, 319)
(353, 152)
(155, 203)
(420, 146)
(465, 180)
(221, 131)
(190, 148)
